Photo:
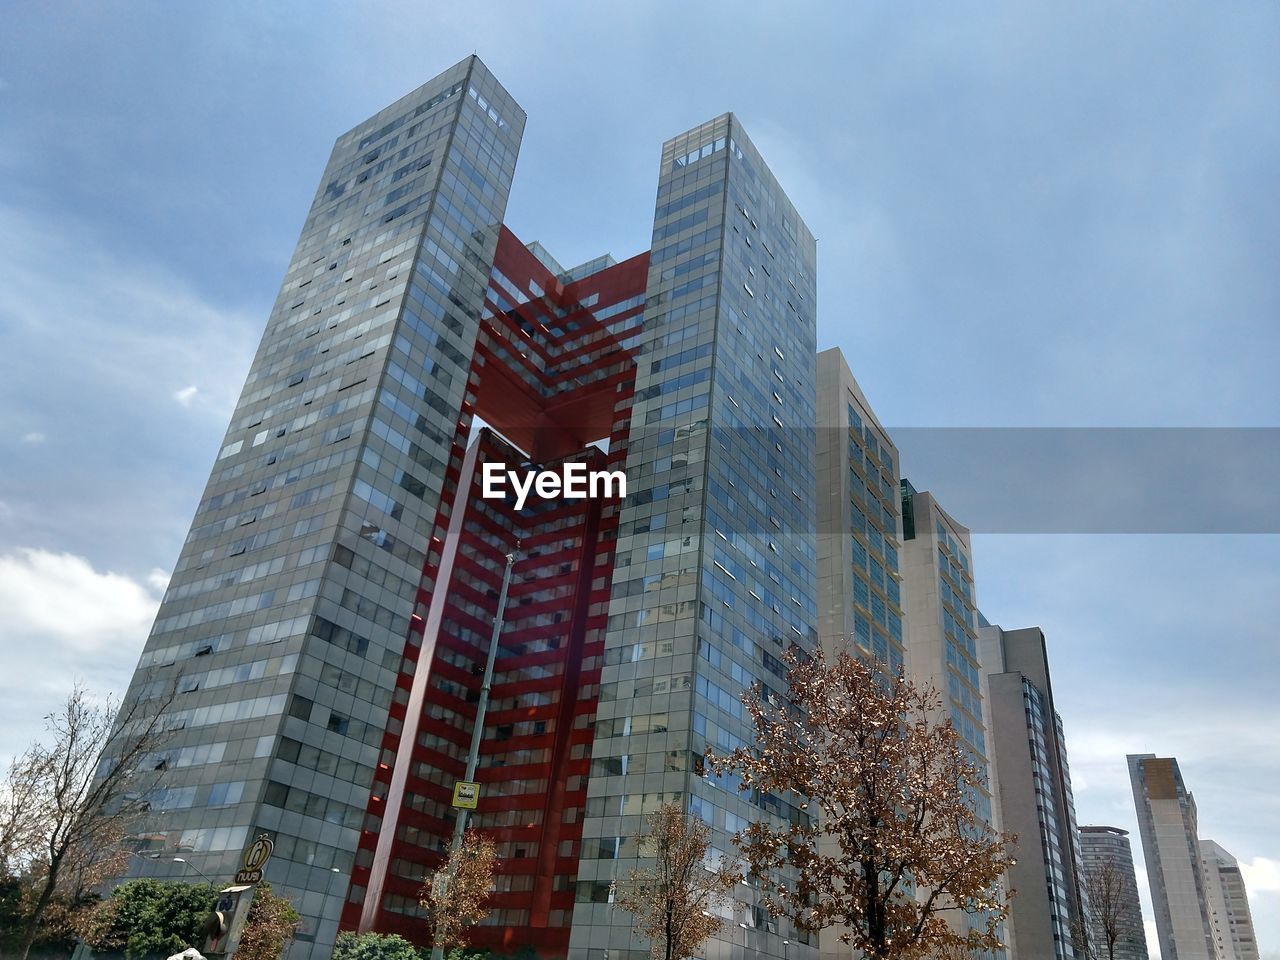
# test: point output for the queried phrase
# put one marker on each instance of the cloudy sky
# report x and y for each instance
(1039, 215)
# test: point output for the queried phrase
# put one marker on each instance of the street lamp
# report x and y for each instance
(334, 870)
(785, 945)
(477, 730)
(196, 869)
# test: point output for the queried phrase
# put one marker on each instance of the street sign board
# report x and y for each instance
(255, 858)
(466, 794)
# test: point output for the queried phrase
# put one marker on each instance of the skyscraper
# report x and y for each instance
(859, 536)
(859, 521)
(329, 616)
(1108, 870)
(941, 624)
(285, 620)
(715, 549)
(1229, 913)
(1032, 784)
(1171, 849)
(941, 639)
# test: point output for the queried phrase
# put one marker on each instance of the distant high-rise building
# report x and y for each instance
(1032, 784)
(941, 631)
(328, 620)
(1171, 850)
(1105, 851)
(1229, 912)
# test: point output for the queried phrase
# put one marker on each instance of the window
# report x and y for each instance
(225, 794)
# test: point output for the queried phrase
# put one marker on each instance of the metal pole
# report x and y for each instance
(186, 863)
(482, 707)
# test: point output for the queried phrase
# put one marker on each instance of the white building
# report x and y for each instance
(1229, 914)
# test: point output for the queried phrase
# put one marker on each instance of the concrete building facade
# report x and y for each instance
(859, 521)
(1229, 913)
(1033, 791)
(859, 537)
(941, 637)
(1171, 850)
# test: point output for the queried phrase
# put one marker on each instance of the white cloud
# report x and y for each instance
(159, 580)
(1261, 875)
(60, 598)
(64, 622)
(33, 437)
(186, 395)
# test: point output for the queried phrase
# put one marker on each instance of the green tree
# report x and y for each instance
(373, 946)
(146, 917)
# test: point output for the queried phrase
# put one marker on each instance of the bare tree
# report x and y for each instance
(18, 814)
(67, 802)
(456, 894)
(1104, 887)
(673, 901)
(893, 846)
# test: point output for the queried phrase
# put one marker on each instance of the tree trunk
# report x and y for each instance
(670, 924)
(33, 924)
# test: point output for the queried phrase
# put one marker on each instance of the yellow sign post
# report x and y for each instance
(466, 794)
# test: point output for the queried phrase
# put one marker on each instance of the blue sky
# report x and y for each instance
(1032, 215)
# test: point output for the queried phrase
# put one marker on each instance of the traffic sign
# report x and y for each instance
(466, 794)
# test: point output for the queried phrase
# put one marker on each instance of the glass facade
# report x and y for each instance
(331, 606)
(551, 383)
(284, 624)
(715, 549)
(1107, 849)
(330, 614)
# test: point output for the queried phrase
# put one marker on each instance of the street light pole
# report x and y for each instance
(196, 869)
(477, 732)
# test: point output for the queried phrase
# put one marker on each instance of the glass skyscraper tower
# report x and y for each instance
(1107, 861)
(713, 580)
(284, 623)
(328, 617)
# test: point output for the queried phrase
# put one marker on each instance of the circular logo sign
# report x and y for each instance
(258, 853)
(255, 858)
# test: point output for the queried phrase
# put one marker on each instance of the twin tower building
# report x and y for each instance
(328, 620)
